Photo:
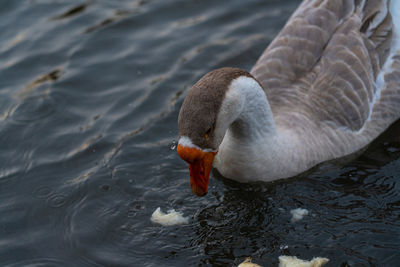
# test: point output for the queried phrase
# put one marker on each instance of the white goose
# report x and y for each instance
(324, 88)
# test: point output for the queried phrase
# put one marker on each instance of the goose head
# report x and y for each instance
(205, 115)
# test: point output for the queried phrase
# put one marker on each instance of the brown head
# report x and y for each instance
(199, 133)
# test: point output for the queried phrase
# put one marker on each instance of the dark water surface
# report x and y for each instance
(90, 93)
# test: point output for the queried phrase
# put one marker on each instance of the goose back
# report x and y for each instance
(325, 64)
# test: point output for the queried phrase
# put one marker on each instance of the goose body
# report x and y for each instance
(326, 87)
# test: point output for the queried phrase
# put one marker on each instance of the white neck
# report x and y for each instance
(245, 111)
(250, 136)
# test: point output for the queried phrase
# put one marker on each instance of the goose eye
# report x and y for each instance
(207, 134)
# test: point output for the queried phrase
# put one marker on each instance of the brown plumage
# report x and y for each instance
(202, 105)
(330, 52)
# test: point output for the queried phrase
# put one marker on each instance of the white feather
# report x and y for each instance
(187, 142)
(253, 137)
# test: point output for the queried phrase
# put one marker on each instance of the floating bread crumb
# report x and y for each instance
(298, 214)
(291, 261)
(248, 263)
(169, 219)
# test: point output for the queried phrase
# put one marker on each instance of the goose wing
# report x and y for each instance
(325, 61)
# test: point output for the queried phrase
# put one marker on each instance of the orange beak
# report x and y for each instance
(200, 164)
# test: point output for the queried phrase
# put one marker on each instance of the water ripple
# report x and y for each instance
(40, 262)
(87, 129)
(72, 12)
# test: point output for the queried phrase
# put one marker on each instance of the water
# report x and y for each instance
(90, 93)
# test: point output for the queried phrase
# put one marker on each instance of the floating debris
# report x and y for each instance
(282, 247)
(298, 214)
(291, 261)
(169, 219)
(248, 263)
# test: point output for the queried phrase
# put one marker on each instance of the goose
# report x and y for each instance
(324, 88)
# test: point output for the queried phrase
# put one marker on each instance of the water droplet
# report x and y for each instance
(173, 145)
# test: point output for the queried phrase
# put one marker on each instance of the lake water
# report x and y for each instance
(90, 94)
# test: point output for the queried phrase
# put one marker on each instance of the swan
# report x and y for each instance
(325, 87)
